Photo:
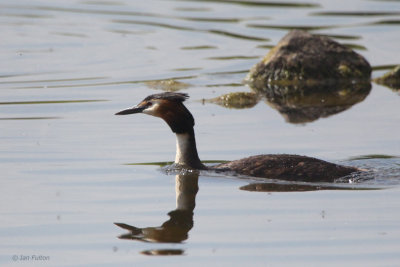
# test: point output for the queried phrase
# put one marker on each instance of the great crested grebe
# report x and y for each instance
(169, 106)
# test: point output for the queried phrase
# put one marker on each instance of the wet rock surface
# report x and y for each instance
(301, 57)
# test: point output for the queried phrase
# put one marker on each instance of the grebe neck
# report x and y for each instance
(186, 151)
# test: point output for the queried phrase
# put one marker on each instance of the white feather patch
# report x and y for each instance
(153, 109)
(182, 145)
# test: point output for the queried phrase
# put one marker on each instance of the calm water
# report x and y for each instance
(66, 161)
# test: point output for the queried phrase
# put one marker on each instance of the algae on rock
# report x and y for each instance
(301, 57)
(390, 79)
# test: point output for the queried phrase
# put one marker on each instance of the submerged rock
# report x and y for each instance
(390, 79)
(170, 85)
(237, 100)
(301, 57)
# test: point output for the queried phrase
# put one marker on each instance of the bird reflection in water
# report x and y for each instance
(176, 229)
(299, 187)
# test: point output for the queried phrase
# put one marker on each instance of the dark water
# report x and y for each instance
(66, 161)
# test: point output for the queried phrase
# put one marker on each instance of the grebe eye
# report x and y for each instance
(149, 104)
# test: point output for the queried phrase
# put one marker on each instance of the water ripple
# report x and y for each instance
(261, 3)
(50, 102)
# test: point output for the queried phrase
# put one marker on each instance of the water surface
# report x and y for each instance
(66, 160)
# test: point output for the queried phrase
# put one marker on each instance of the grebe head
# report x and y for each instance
(168, 106)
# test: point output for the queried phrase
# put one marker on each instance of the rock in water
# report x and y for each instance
(390, 79)
(301, 57)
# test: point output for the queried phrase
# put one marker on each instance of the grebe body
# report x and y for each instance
(169, 106)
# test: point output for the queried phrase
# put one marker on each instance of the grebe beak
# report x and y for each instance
(133, 110)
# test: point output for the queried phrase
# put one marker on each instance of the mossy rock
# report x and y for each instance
(390, 79)
(301, 57)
